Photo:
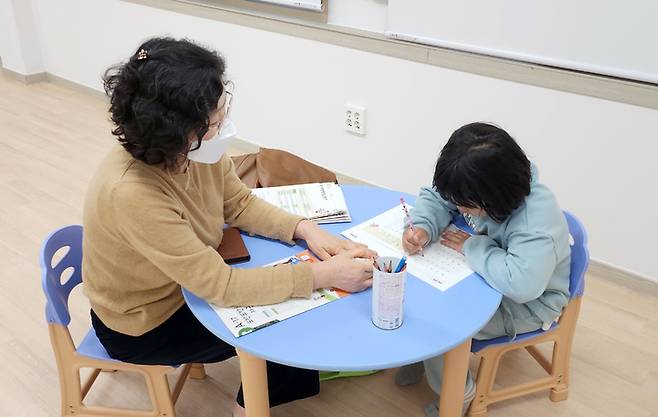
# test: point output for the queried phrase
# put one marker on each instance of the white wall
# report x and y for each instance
(10, 49)
(19, 41)
(598, 156)
(360, 14)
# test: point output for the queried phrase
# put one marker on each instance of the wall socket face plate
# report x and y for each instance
(355, 119)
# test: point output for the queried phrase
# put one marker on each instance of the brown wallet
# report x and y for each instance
(232, 248)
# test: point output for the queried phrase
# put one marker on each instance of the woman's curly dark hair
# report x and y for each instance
(159, 97)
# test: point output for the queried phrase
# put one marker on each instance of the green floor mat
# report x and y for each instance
(329, 375)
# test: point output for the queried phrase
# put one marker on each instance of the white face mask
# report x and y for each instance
(211, 150)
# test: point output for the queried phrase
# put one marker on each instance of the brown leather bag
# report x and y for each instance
(274, 167)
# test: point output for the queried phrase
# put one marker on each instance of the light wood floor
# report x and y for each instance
(51, 139)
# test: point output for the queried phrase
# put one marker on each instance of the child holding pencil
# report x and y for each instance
(521, 245)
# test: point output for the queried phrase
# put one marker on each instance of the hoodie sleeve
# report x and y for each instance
(432, 213)
(521, 272)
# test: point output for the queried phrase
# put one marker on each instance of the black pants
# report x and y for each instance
(183, 339)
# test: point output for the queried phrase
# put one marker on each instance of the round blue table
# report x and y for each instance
(341, 336)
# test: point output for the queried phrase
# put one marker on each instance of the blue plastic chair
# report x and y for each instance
(90, 353)
(561, 334)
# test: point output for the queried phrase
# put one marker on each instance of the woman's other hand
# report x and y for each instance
(350, 271)
(325, 245)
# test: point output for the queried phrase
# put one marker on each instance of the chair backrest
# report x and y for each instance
(57, 293)
(274, 167)
(579, 255)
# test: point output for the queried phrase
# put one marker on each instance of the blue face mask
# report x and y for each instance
(211, 150)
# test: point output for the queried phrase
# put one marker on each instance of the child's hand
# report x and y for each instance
(454, 239)
(413, 241)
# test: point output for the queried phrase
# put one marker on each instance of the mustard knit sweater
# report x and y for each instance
(147, 233)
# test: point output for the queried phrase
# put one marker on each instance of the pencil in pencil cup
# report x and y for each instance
(388, 292)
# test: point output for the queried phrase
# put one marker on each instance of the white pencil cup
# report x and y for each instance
(387, 294)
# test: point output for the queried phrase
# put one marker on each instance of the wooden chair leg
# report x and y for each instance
(197, 371)
(560, 370)
(89, 382)
(486, 376)
(562, 350)
(180, 382)
(71, 391)
(158, 386)
(559, 394)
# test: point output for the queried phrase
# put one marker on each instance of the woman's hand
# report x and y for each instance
(350, 271)
(414, 240)
(324, 244)
(454, 239)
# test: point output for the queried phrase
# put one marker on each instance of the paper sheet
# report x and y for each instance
(244, 320)
(441, 266)
(319, 202)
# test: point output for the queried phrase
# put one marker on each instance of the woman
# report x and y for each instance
(154, 214)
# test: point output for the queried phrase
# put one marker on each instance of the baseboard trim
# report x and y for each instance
(25, 78)
(630, 279)
(40, 77)
(65, 82)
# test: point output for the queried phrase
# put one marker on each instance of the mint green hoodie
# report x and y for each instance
(526, 257)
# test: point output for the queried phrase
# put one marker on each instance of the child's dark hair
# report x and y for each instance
(166, 90)
(482, 166)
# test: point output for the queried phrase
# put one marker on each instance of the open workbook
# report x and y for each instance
(244, 320)
(441, 267)
(320, 202)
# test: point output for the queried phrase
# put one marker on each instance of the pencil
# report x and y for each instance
(374, 263)
(411, 224)
(401, 264)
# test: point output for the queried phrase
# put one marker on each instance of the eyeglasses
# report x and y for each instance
(228, 93)
(229, 87)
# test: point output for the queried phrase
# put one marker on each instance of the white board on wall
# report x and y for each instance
(302, 4)
(609, 37)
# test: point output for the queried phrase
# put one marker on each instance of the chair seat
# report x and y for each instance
(92, 347)
(478, 345)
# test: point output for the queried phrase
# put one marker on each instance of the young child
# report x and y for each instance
(521, 245)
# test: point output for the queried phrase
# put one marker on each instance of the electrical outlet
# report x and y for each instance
(355, 119)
